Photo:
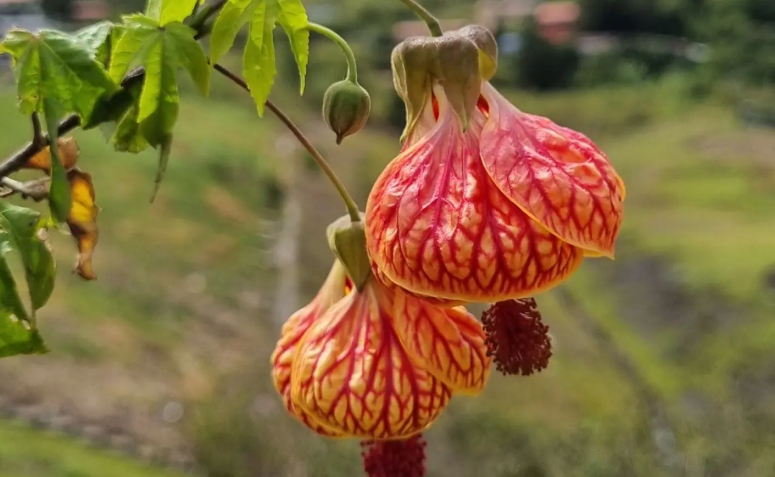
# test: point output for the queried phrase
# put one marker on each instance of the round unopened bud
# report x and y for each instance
(346, 108)
(347, 240)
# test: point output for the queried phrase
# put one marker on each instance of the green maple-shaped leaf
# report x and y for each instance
(17, 338)
(97, 37)
(169, 11)
(127, 136)
(161, 50)
(19, 229)
(57, 67)
(56, 74)
(100, 38)
(262, 16)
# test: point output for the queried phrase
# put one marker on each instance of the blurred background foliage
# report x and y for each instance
(665, 358)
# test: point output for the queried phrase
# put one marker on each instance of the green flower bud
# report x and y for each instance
(347, 240)
(346, 108)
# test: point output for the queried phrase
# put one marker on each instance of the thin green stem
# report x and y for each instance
(433, 23)
(352, 66)
(37, 130)
(199, 19)
(352, 207)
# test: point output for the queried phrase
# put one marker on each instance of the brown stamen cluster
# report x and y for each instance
(394, 458)
(516, 338)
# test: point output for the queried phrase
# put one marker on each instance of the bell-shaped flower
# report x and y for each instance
(376, 362)
(486, 203)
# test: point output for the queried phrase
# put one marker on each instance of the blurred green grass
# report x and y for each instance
(28, 452)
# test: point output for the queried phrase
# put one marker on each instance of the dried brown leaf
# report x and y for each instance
(68, 151)
(83, 220)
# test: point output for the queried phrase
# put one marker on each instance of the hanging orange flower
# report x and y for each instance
(485, 202)
(376, 362)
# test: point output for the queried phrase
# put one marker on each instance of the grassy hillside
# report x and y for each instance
(31, 453)
(663, 358)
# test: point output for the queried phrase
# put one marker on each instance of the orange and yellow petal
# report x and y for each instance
(436, 301)
(438, 226)
(449, 342)
(352, 375)
(556, 175)
(423, 126)
(291, 335)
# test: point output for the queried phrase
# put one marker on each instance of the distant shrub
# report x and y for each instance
(59, 9)
(544, 66)
(609, 68)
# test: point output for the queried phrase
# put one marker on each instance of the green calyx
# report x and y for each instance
(346, 108)
(347, 240)
(488, 48)
(458, 61)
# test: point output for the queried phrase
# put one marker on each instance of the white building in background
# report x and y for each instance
(508, 13)
(26, 14)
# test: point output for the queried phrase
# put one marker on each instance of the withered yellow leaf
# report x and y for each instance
(68, 152)
(83, 220)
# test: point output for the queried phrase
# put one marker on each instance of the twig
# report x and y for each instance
(36, 190)
(18, 160)
(352, 207)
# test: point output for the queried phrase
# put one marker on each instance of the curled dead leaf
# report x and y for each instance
(68, 151)
(83, 220)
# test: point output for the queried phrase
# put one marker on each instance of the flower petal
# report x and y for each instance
(290, 337)
(556, 175)
(351, 374)
(440, 302)
(450, 342)
(437, 225)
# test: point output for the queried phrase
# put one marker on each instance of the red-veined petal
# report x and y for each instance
(291, 335)
(438, 226)
(441, 302)
(450, 342)
(556, 175)
(351, 373)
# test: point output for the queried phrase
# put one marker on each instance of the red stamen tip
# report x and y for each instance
(394, 458)
(516, 338)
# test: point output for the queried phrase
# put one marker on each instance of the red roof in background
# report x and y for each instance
(409, 28)
(90, 10)
(557, 13)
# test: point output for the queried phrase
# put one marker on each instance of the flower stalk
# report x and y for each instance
(433, 23)
(352, 65)
(352, 207)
